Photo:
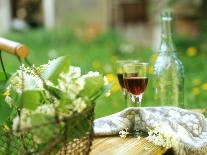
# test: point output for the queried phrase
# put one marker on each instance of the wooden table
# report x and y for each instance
(128, 146)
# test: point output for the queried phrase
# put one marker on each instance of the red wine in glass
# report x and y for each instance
(119, 71)
(136, 85)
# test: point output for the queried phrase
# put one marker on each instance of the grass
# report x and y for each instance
(100, 53)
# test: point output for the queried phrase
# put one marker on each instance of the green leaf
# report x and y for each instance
(5, 109)
(100, 92)
(44, 126)
(5, 112)
(54, 69)
(92, 85)
(31, 99)
(15, 97)
(2, 76)
(3, 81)
(55, 92)
(63, 102)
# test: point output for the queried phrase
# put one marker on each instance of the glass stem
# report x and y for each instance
(125, 98)
(138, 100)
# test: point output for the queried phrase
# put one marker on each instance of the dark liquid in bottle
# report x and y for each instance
(135, 85)
(121, 80)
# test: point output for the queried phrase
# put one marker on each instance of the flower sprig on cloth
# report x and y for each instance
(124, 133)
(47, 94)
(160, 136)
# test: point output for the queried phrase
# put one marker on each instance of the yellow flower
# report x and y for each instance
(6, 93)
(204, 86)
(196, 81)
(191, 51)
(195, 91)
(113, 79)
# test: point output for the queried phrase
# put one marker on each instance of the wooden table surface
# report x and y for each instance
(125, 146)
(128, 146)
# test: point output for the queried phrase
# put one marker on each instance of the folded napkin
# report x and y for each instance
(183, 130)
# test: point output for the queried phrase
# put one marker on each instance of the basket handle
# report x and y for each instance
(13, 48)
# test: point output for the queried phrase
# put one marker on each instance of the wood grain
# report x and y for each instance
(13, 48)
(127, 146)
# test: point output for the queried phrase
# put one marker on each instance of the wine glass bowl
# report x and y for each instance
(119, 72)
(135, 80)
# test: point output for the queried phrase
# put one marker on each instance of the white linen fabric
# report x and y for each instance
(185, 131)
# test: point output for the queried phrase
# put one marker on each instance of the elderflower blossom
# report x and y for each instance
(22, 123)
(71, 82)
(30, 82)
(161, 136)
(8, 100)
(91, 74)
(40, 69)
(48, 109)
(74, 72)
(123, 133)
(24, 74)
(79, 105)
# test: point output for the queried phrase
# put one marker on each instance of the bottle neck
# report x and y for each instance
(167, 45)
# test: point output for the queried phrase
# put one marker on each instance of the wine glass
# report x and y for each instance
(135, 80)
(119, 72)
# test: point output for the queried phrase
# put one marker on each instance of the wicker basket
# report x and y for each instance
(61, 144)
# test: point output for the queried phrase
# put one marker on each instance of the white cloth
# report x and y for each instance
(186, 131)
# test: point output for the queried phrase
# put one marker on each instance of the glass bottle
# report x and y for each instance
(168, 71)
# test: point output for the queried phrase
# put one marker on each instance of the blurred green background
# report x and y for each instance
(93, 47)
(101, 54)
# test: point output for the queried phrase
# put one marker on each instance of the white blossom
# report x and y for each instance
(26, 75)
(8, 100)
(32, 82)
(23, 121)
(48, 109)
(42, 68)
(73, 72)
(72, 88)
(79, 105)
(123, 133)
(71, 82)
(76, 86)
(91, 74)
(106, 80)
(15, 83)
(161, 136)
